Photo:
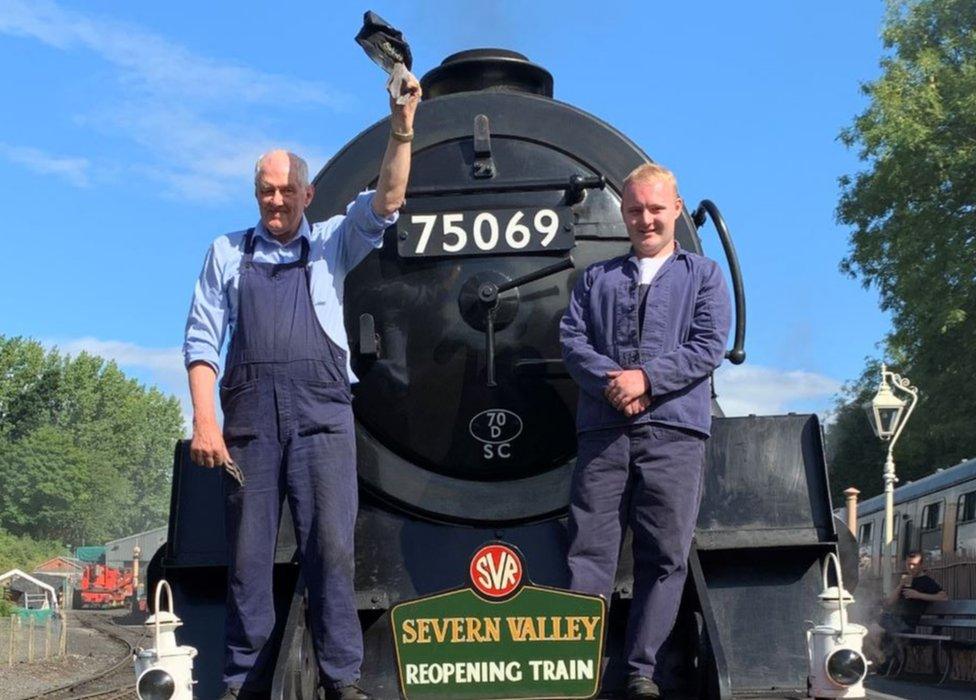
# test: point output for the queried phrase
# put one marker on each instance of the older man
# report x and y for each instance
(641, 336)
(285, 395)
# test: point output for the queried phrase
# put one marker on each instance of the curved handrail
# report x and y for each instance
(169, 596)
(831, 557)
(737, 355)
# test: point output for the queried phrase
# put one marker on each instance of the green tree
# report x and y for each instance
(914, 230)
(85, 452)
(55, 490)
(25, 553)
(29, 379)
(130, 427)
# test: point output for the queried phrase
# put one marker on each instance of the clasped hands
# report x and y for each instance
(628, 391)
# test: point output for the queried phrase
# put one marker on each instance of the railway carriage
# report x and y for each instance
(935, 515)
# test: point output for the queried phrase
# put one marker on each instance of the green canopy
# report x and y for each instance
(90, 554)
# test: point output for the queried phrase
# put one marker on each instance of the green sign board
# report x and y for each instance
(499, 637)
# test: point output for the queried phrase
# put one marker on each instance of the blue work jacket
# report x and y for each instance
(686, 325)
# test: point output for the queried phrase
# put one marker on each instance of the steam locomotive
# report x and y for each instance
(465, 412)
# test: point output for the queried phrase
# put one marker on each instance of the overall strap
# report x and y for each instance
(248, 248)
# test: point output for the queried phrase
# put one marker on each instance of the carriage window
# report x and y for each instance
(865, 536)
(967, 507)
(930, 516)
(906, 543)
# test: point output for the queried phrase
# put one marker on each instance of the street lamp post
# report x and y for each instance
(888, 417)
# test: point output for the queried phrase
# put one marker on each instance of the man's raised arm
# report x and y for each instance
(391, 189)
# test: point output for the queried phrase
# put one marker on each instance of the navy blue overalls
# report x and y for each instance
(643, 472)
(288, 424)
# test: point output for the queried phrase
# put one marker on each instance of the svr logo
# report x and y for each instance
(496, 571)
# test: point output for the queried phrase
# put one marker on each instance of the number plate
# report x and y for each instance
(484, 232)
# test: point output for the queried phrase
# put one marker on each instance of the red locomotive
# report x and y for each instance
(105, 586)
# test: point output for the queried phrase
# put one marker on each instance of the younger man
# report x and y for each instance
(642, 334)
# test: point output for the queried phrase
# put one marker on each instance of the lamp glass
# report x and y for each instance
(869, 410)
(846, 667)
(888, 419)
(155, 684)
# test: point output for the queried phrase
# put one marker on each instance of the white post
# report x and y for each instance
(902, 384)
(136, 551)
(63, 637)
(889, 532)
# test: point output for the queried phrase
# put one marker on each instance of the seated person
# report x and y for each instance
(906, 603)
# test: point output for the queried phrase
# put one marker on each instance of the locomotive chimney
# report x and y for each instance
(486, 69)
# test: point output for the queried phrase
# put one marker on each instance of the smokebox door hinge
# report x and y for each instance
(484, 166)
(369, 341)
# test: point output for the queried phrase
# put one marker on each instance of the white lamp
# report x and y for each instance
(885, 409)
(164, 672)
(836, 662)
(887, 415)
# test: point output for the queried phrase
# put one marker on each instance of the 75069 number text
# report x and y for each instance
(490, 232)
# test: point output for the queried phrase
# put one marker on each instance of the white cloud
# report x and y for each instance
(156, 63)
(199, 159)
(74, 170)
(125, 354)
(747, 389)
(189, 115)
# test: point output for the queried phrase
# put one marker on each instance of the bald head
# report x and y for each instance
(295, 164)
(283, 192)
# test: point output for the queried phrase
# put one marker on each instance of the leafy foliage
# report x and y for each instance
(7, 609)
(25, 553)
(913, 211)
(85, 452)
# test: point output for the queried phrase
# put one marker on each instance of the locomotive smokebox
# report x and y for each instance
(486, 69)
(465, 412)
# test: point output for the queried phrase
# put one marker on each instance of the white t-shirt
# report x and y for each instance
(649, 267)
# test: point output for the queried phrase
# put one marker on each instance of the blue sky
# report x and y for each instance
(129, 132)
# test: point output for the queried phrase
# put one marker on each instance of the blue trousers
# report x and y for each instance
(647, 477)
(317, 473)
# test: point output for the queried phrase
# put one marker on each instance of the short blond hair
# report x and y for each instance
(651, 172)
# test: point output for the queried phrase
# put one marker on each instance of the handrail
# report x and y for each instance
(737, 355)
(831, 557)
(169, 594)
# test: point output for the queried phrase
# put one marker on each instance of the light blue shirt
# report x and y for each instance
(336, 246)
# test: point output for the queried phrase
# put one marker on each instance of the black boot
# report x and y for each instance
(641, 688)
(346, 692)
(234, 693)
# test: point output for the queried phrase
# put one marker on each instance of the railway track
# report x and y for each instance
(116, 681)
